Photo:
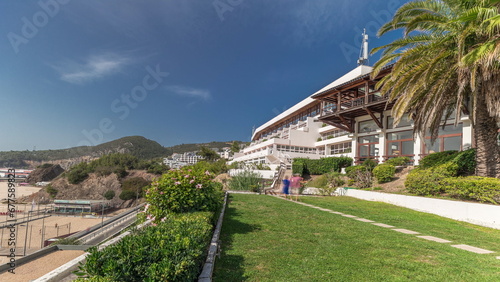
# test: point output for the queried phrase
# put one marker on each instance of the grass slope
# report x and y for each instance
(268, 239)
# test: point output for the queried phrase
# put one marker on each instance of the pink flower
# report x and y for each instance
(198, 186)
(177, 183)
(207, 172)
(154, 224)
(163, 219)
(191, 181)
(186, 176)
(161, 193)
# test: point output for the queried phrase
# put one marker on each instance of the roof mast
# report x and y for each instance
(363, 54)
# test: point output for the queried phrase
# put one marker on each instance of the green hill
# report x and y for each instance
(137, 146)
(183, 148)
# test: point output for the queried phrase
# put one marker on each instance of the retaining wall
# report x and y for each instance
(476, 213)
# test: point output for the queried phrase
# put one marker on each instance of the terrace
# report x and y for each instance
(341, 104)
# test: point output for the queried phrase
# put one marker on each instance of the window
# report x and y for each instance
(405, 121)
(400, 143)
(367, 146)
(341, 148)
(367, 126)
(449, 138)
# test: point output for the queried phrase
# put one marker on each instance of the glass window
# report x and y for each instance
(400, 135)
(368, 139)
(367, 126)
(452, 143)
(405, 121)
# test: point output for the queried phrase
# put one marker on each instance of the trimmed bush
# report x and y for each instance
(428, 182)
(245, 181)
(399, 161)
(482, 189)
(183, 190)
(384, 172)
(171, 251)
(436, 159)
(353, 170)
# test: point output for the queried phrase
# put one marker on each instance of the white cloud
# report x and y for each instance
(94, 67)
(189, 92)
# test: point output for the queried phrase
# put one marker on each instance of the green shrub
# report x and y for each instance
(45, 165)
(428, 182)
(174, 250)
(399, 161)
(334, 179)
(465, 160)
(109, 195)
(384, 172)
(245, 181)
(183, 190)
(298, 166)
(370, 164)
(319, 181)
(436, 159)
(136, 184)
(51, 191)
(126, 195)
(483, 189)
(352, 170)
(360, 176)
(78, 173)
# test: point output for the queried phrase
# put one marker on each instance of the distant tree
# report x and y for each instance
(235, 147)
(110, 194)
(208, 154)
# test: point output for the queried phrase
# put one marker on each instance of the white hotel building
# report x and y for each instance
(348, 117)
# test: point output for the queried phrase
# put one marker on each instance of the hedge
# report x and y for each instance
(466, 160)
(174, 250)
(316, 167)
(483, 189)
(428, 182)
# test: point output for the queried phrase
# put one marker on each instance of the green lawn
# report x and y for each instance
(269, 239)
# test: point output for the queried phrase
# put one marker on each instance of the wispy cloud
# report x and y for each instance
(189, 92)
(92, 68)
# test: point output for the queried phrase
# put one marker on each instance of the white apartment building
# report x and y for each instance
(350, 118)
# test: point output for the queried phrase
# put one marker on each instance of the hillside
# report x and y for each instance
(183, 148)
(137, 146)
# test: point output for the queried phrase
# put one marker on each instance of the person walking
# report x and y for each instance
(295, 183)
(286, 186)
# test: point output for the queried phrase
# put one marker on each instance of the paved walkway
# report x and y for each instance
(404, 231)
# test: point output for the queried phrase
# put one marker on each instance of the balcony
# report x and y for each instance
(342, 115)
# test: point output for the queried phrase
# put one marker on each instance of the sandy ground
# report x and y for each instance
(40, 267)
(20, 190)
(34, 238)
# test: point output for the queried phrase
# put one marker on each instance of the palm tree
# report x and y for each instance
(447, 62)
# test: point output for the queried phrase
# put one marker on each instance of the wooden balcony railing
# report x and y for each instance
(353, 103)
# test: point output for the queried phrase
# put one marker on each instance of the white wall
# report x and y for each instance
(480, 214)
(267, 174)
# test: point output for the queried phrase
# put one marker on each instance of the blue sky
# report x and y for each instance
(77, 72)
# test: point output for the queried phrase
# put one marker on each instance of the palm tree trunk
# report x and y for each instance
(486, 134)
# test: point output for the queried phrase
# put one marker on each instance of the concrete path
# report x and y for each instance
(401, 230)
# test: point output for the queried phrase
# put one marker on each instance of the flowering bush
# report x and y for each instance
(182, 190)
